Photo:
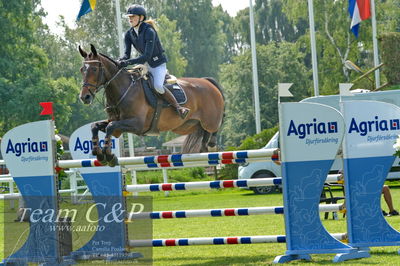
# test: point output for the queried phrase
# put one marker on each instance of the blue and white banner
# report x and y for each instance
(310, 131)
(80, 146)
(28, 149)
(310, 136)
(371, 130)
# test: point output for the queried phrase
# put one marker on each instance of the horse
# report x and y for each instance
(128, 110)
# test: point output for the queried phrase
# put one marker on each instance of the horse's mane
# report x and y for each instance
(110, 59)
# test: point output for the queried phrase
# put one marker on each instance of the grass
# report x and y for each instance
(2, 228)
(258, 254)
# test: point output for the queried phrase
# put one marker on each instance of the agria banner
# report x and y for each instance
(28, 149)
(310, 137)
(371, 130)
(310, 131)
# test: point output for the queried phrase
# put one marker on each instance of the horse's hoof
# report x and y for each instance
(112, 160)
(212, 148)
(102, 159)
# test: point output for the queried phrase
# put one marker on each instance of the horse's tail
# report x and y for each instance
(196, 141)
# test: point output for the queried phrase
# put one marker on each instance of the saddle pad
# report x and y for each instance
(176, 90)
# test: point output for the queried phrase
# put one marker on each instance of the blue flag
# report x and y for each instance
(86, 7)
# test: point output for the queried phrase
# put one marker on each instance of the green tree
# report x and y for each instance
(227, 29)
(277, 62)
(202, 34)
(271, 23)
(25, 75)
(172, 38)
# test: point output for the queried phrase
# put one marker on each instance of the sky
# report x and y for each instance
(70, 8)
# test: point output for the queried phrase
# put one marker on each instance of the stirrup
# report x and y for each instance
(183, 112)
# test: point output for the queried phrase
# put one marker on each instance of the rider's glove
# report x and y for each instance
(123, 63)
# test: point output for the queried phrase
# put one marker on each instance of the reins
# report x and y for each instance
(100, 74)
(98, 86)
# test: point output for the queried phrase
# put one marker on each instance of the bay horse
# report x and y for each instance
(128, 110)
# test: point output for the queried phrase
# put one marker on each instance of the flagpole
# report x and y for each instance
(119, 28)
(255, 74)
(313, 47)
(375, 43)
(131, 144)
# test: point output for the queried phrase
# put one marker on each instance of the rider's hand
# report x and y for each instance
(123, 63)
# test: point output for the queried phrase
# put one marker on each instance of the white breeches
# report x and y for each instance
(159, 77)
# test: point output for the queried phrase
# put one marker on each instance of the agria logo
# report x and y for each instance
(86, 146)
(26, 147)
(314, 128)
(364, 127)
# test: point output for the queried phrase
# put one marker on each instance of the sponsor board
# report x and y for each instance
(28, 149)
(372, 128)
(312, 131)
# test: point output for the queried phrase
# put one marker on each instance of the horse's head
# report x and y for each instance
(98, 70)
(92, 74)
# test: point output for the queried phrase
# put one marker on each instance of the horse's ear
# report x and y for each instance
(93, 49)
(83, 53)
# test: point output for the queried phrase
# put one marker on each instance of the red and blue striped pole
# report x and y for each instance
(222, 212)
(178, 159)
(207, 241)
(205, 185)
(215, 241)
(244, 183)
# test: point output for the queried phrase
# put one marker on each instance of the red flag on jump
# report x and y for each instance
(47, 109)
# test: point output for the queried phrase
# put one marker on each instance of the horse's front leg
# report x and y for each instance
(96, 127)
(133, 125)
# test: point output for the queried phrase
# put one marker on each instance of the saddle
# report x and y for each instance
(170, 82)
(141, 73)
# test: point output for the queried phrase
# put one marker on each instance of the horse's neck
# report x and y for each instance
(117, 86)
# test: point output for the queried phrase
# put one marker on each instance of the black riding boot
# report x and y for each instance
(170, 98)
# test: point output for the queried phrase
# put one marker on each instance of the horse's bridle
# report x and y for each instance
(100, 76)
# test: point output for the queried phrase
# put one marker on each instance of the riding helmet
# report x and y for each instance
(136, 10)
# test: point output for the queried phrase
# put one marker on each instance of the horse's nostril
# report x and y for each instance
(86, 98)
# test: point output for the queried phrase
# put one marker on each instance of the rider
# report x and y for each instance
(144, 38)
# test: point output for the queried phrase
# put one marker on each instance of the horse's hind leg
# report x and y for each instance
(212, 143)
(96, 127)
(204, 141)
